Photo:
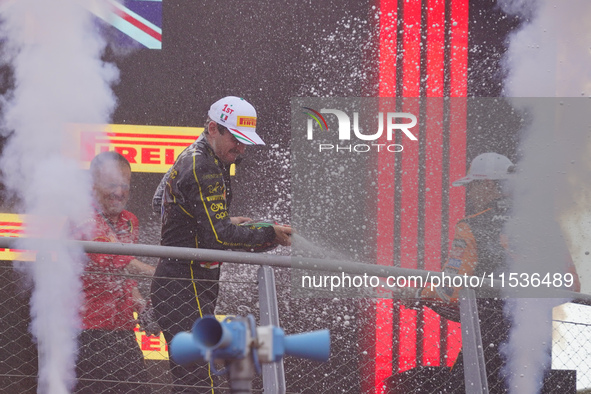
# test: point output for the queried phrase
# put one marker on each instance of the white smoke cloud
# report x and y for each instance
(549, 56)
(54, 50)
(537, 247)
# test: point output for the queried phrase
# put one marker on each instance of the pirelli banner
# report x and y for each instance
(147, 148)
(11, 225)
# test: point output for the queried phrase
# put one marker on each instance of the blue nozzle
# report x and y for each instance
(313, 345)
(185, 350)
(232, 340)
(210, 333)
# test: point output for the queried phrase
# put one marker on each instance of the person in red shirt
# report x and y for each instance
(109, 358)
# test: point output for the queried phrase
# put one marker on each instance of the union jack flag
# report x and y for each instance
(137, 20)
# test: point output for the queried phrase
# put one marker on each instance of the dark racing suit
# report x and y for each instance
(195, 201)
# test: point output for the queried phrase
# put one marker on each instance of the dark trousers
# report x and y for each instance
(177, 304)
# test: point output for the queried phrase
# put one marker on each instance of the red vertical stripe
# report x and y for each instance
(434, 136)
(387, 88)
(410, 155)
(385, 256)
(384, 335)
(457, 160)
(435, 47)
(385, 214)
(454, 342)
(459, 48)
(407, 339)
(388, 20)
(411, 64)
(431, 342)
(433, 218)
(433, 167)
(411, 45)
(457, 139)
(433, 182)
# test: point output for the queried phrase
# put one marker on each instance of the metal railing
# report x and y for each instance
(341, 374)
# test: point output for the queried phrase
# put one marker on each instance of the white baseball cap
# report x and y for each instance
(239, 116)
(487, 166)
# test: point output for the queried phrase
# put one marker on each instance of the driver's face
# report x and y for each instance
(224, 144)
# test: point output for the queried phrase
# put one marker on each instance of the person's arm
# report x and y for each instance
(139, 302)
(136, 267)
(203, 182)
(282, 235)
(239, 219)
(159, 193)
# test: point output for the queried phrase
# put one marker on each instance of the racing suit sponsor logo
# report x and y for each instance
(215, 198)
(212, 176)
(215, 189)
(217, 206)
(221, 215)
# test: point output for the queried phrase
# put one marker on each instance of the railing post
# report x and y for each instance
(273, 373)
(473, 353)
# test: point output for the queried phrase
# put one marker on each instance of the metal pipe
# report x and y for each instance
(273, 373)
(294, 262)
(475, 377)
(216, 255)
